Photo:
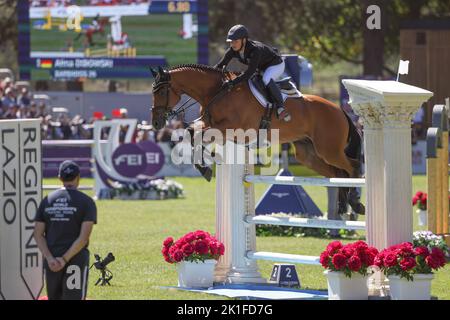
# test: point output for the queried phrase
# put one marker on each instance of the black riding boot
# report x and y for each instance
(277, 100)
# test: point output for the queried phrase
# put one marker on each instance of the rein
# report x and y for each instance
(170, 114)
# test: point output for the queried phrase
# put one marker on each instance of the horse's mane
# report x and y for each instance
(196, 66)
(201, 67)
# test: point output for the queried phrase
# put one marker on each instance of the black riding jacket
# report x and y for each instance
(257, 56)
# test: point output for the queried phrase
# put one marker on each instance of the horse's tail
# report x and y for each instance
(353, 149)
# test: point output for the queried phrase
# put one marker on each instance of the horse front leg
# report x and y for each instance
(199, 150)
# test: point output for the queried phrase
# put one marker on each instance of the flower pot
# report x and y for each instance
(422, 217)
(418, 289)
(196, 275)
(341, 287)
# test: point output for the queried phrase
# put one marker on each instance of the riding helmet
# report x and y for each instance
(237, 32)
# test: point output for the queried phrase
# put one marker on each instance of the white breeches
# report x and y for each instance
(273, 72)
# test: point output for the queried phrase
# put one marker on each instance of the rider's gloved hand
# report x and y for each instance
(228, 85)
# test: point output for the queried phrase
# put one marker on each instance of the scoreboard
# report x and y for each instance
(160, 33)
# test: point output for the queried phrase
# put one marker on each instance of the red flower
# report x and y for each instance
(373, 250)
(408, 263)
(422, 251)
(214, 247)
(354, 263)
(378, 261)
(177, 255)
(339, 261)
(168, 242)
(201, 234)
(370, 258)
(437, 252)
(406, 249)
(324, 259)
(360, 244)
(390, 259)
(437, 258)
(334, 246)
(414, 200)
(348, 251)
(201, 247)
(199, 242)
(362, 255)
(424, 201)
(189, 237)
(188, 249)
(221, 249)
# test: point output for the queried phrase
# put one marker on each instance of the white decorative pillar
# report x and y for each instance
(387, 108)
(233, 202)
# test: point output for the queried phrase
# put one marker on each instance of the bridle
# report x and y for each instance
(163, 83)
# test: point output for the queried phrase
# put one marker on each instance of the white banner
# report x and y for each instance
(21, 272)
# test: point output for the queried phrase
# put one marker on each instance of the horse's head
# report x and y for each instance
(164, 98)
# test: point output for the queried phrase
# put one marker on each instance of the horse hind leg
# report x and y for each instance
(305, 153)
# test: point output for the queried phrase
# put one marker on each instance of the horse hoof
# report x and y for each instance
(207, 174)
(359, 208)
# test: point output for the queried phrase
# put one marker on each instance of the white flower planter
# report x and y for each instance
(196, 275)
(342, 288)
(418, 289)
(422, 214)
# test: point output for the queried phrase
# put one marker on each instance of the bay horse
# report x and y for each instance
(324, 137)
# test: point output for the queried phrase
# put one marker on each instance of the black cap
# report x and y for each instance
(237, 32)
(68, 170)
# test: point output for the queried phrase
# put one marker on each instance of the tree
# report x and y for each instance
(8, 34)
(326, 31)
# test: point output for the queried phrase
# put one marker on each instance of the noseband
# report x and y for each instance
(163, 85)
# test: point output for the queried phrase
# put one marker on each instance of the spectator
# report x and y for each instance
(9, 100)
(6, 83)
(42, 112)
(24, 98)
(32, 113)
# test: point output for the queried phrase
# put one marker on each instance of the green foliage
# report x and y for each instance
(324, 31)
(286, 231)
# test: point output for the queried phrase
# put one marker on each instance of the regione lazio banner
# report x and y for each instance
(21, 272)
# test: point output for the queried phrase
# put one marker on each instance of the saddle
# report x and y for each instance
(287, 88)
(258, 89)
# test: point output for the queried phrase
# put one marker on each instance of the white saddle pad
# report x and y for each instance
(285, 93)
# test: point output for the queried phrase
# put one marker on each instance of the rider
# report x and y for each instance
(258, 57)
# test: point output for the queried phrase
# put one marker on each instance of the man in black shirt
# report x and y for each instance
(63, 224)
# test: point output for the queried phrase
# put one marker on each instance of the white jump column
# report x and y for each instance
(234, 202)
(387, 108)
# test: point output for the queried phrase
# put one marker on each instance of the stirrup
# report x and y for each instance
(264, 124)
(283, 114)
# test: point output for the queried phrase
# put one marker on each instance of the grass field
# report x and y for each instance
(155, 34)
(134, 230)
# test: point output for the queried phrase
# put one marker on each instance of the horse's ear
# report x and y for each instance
(154, 73)
(160, 70)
